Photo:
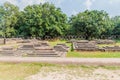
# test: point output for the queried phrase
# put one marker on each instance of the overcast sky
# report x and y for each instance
(74, 6)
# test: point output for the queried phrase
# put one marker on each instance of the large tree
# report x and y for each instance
(8, 19)
(42, 20)
(91, 24)
(116, 21)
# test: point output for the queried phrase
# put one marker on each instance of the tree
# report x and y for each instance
(42, 20)
(8, 19)
(91, 24)
(116, 21)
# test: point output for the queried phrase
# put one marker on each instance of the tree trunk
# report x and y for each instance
(4, 40)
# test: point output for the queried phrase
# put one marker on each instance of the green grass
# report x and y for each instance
(94, 54)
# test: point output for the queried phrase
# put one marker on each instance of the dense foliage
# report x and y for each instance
(116, 21)
(8, 19)
(41, 20)
(91, 24)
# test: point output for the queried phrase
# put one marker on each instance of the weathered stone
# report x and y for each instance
(85, 47)
(24, 41)
(26, 47)
(105, 41)
(7, 48)
(44, 53)
(43, 48)
(30, 48)
(7, 51)
(79, 41)
(44, 44)
(60, 48)
(37, 45)
(64, 45)
(112, 48)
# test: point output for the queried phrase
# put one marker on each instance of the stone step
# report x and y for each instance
(44, 51)
(43, 55)
(6, 53)
(60, 48)
(25, 48)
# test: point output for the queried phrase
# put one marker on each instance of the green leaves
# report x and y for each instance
(90, 24)
(42, 20)
(116, 21)
(8, 19)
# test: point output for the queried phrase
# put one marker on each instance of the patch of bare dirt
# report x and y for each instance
(54, 73)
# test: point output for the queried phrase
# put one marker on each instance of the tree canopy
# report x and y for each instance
(91, 24)
(116, 21)
(41, 20)
(8, 19)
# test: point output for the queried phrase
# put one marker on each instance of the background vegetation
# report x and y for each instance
(40, 20)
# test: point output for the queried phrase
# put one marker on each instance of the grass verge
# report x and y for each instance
(95, 54)
(19, 71)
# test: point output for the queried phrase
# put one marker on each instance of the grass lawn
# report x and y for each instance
(94, 54)
(19, 71)
(85, 54)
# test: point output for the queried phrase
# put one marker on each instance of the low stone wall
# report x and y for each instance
(36, 49)
(105, 41)
(92, 45)
(113, 48)
(85, 47)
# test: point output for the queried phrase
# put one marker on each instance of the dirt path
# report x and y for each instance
(56, 60)
(54, 73)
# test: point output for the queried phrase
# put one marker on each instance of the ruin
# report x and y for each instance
(112, 48)
(39, 49)
(62, 49)
(64, 45)
(104, 41)
(85, 46)
(36, 48)
(92, 45)
(7, 51)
